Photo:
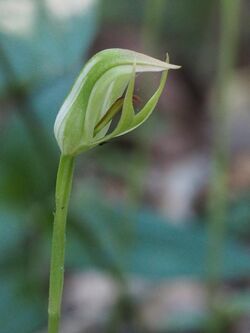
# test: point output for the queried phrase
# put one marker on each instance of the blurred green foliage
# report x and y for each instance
(35, 74)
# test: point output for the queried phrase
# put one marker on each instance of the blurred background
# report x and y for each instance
(158, 232)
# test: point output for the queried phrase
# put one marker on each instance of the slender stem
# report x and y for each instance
(153, 16)
(219, 185)
(63, 190)
(218, 193)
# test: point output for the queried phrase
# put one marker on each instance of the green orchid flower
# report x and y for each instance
(104, 87)
(86, 115)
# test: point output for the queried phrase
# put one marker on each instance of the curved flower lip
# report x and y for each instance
(102, 81)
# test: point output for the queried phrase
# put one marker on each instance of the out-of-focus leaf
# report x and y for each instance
(21, 312)
(42, 47)
(239, 216)
(237, 304)
(165, 250)
(184, 322)
(24, 174)
(154, 248)
(43, 39)
(12, 232)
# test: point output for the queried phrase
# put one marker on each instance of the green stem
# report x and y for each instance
(219, 185)
(153, 16)
(63, 190)
(218, 193)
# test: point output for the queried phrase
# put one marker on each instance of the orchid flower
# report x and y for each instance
(83, 121)
(104, 87)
